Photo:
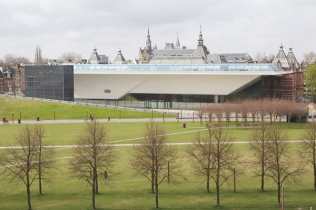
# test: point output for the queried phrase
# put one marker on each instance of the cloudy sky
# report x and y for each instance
(228, 26)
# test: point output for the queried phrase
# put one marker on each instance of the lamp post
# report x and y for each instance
(54, 115)
(163, 117)
(12, 117)
(20, 115)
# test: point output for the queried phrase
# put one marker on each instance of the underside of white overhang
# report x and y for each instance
(115, 86)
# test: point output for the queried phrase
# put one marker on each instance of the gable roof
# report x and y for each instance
(120, 58)
(292, 59)
(281, 58)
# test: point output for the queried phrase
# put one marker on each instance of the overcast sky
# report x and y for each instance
(228, 26)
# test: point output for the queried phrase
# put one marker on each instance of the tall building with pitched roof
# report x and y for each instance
(120, 58)
(96, 59)
(174, 54)
(286, 86)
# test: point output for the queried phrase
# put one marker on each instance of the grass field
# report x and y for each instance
(30, 110)
(125, 190)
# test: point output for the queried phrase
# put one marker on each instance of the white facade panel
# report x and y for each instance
(95, 86)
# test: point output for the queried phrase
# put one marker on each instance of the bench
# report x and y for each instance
(255, 125)
(247, 124)
(238, 125)
(5, 122)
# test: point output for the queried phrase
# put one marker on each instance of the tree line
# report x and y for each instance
(256, 110)
(11, 60)
(212, 155)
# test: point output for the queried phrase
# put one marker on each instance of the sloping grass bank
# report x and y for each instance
(17, 108)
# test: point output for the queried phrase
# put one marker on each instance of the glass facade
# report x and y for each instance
(50, 82)
(208, 67)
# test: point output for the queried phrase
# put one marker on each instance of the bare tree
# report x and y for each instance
(20, 163)
(281, 166)
(154, 159)
(38, 56)
(44, 155)
(201, 152)
(244, 110)
(300, 111)
(200, 112)
(227, 110)
(271, 57)
(93, 155)
(236, 109)
(224, 158)
(258, 144)
(71, 57)
(262, 109)
(308, 148)
(253, 109)
(258, 57)
(289, 108)
(309, 57)
(210, 111)
(280, 109)
(218, 112)
(11, 60)
(270, 108)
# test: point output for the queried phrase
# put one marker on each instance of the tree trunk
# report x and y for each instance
(28, 191)
(208, 183)
(40, 182)
(217, 186)
(217, 195)
(152, 181)
(156, 186)
(279, 194)
(93, 193)
(262, 169)
(97, 185)
(314, 176)
(40, 168)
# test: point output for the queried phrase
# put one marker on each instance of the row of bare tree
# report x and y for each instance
(10, 60)
(30, 161)
(257, 110)
(212, 155)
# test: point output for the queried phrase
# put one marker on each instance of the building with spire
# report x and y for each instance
(177, 77)
(286, 86)
(174, 54)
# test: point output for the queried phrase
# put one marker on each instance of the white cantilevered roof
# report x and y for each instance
(115, 81)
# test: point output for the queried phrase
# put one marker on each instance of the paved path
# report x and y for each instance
(99, 120)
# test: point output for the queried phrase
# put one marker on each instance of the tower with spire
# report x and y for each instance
(148, 42)
(200, 40)
(146, 53)
(177, 43)
(281, 59)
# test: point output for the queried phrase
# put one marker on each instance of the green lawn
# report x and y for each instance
(124, 190)
(11, 108)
